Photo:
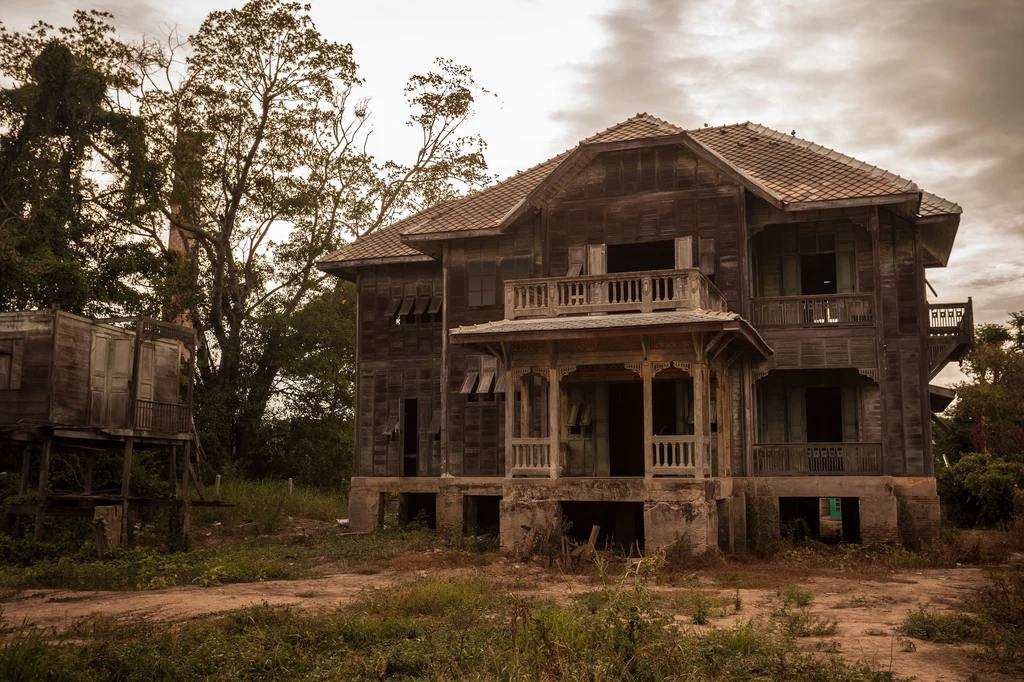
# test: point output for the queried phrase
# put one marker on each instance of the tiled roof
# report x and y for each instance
(787, 167)
(592, 322)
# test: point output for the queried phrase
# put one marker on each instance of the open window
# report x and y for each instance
(803, 262)
(641, 256)
(481, 381)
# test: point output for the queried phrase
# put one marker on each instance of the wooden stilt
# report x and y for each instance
(87, 474)
(126, 474)
(26, 456)
(44, 473)
(185, 466)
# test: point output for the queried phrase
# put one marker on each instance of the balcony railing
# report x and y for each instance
(531, 456)
(161, 417)
(818, 459)
(953, 320)
(834, 309)
(620, 292)
(679, 456)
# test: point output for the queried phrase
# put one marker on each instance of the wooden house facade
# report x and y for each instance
(645, 330)
(103, 388)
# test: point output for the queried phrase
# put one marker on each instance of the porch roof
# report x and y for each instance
(591, 326)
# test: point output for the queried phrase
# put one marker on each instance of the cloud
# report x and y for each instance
(929, 89)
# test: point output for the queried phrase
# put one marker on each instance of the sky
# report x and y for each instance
(928, 89)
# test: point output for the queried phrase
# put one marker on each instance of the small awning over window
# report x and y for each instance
(393, 307)
(435, 304)
(469, 382)
(486, 379)
(499, 385)
(435, 424)
(390, 426)
(422, 303)
(407, 305)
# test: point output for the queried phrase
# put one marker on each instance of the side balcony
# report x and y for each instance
(623, 292)
(950, 333)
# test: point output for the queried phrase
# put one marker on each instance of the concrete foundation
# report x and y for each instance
(699, 514)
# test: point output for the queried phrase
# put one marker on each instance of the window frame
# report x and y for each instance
(481, 283)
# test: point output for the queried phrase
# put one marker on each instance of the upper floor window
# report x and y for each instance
(804, 261)
(482, 283)
(515, 268)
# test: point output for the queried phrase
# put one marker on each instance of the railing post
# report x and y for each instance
(552, 299)
(509, 302)
(646, 294)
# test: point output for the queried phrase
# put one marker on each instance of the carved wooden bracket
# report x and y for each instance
(684, 366)
(634, 367)
(658, 366)
(759, 374)
(870, 373)
(565, 369)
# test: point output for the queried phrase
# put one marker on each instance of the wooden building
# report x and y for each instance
(102, 387)
(647, 329)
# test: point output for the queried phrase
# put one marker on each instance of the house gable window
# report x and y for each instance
(482, 283)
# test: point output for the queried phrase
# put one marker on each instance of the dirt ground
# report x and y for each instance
(867, 608)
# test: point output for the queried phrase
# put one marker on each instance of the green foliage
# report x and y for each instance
(979, 488)
(934, 626)
(68, 230)
(446, 629)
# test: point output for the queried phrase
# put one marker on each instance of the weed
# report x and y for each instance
(796, 596)
(933, 626)
(737, 602)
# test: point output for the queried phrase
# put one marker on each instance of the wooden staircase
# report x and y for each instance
(950, 334)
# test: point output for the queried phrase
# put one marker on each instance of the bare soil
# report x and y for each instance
(867, 608)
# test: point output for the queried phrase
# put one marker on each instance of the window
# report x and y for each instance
(515, 268)
(10, 363)
(481, 380)
(482, 275)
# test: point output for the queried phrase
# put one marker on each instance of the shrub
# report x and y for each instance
(933, 626)
(979, 489)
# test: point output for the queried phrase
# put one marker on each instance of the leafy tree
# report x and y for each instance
(986, 416)
(66, 234)
(268, 147)
(980, 488)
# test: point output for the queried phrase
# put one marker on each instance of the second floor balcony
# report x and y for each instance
(621, 292)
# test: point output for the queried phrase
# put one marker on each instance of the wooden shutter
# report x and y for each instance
(707, 255)
(850, 431)
(147, 367)
(98, 379)
(846, 272)
(796, 414)
(684, 252)
(791, 276)
(577, 255)
(6, 360)
(119, 375)
(597, 259)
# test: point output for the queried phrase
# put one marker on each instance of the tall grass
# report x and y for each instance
(267, 505)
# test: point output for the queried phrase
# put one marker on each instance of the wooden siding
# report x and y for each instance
(31, 400)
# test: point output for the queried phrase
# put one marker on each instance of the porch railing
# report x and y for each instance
(954, 320)
(161, 417)
(531, 456)
(645, 292)
(679, 456)
(812, 310)
(817, 459)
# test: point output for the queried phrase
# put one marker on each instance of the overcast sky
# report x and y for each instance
(929, 89)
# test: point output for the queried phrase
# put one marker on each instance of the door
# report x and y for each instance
(119, 377)
(98, 379)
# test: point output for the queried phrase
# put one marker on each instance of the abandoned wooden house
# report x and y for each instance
(101, 388)
(646, 330)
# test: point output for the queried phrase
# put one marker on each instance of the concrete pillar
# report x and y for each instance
(738, 514)
(878, 521)
(523, 519)
(449, 510)
(364, 509)
(687, 523)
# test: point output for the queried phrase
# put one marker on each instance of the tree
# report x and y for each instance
(986, 416)
(66, 233)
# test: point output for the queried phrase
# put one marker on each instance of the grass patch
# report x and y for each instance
(701, 605)
(933, 626)
(436, 629)
(252, 560)
(266, 505)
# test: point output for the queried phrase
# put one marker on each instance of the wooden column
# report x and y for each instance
(26, 457)
(554, 420)
(510, 421)
(648, 378)
(126, 475)
(701, 405)
(185, 464)
(44, 473)
(90, 460)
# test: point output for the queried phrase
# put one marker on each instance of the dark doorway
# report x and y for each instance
(626, 429)
(663, 409)
(643, 256)
(418, 509)
(824, 414)
(482, 514)
(818, 274)
(799, 517)
(410, 437)
(622, 523)
(850, 507)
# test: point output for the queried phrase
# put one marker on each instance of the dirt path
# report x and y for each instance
(867, 611)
